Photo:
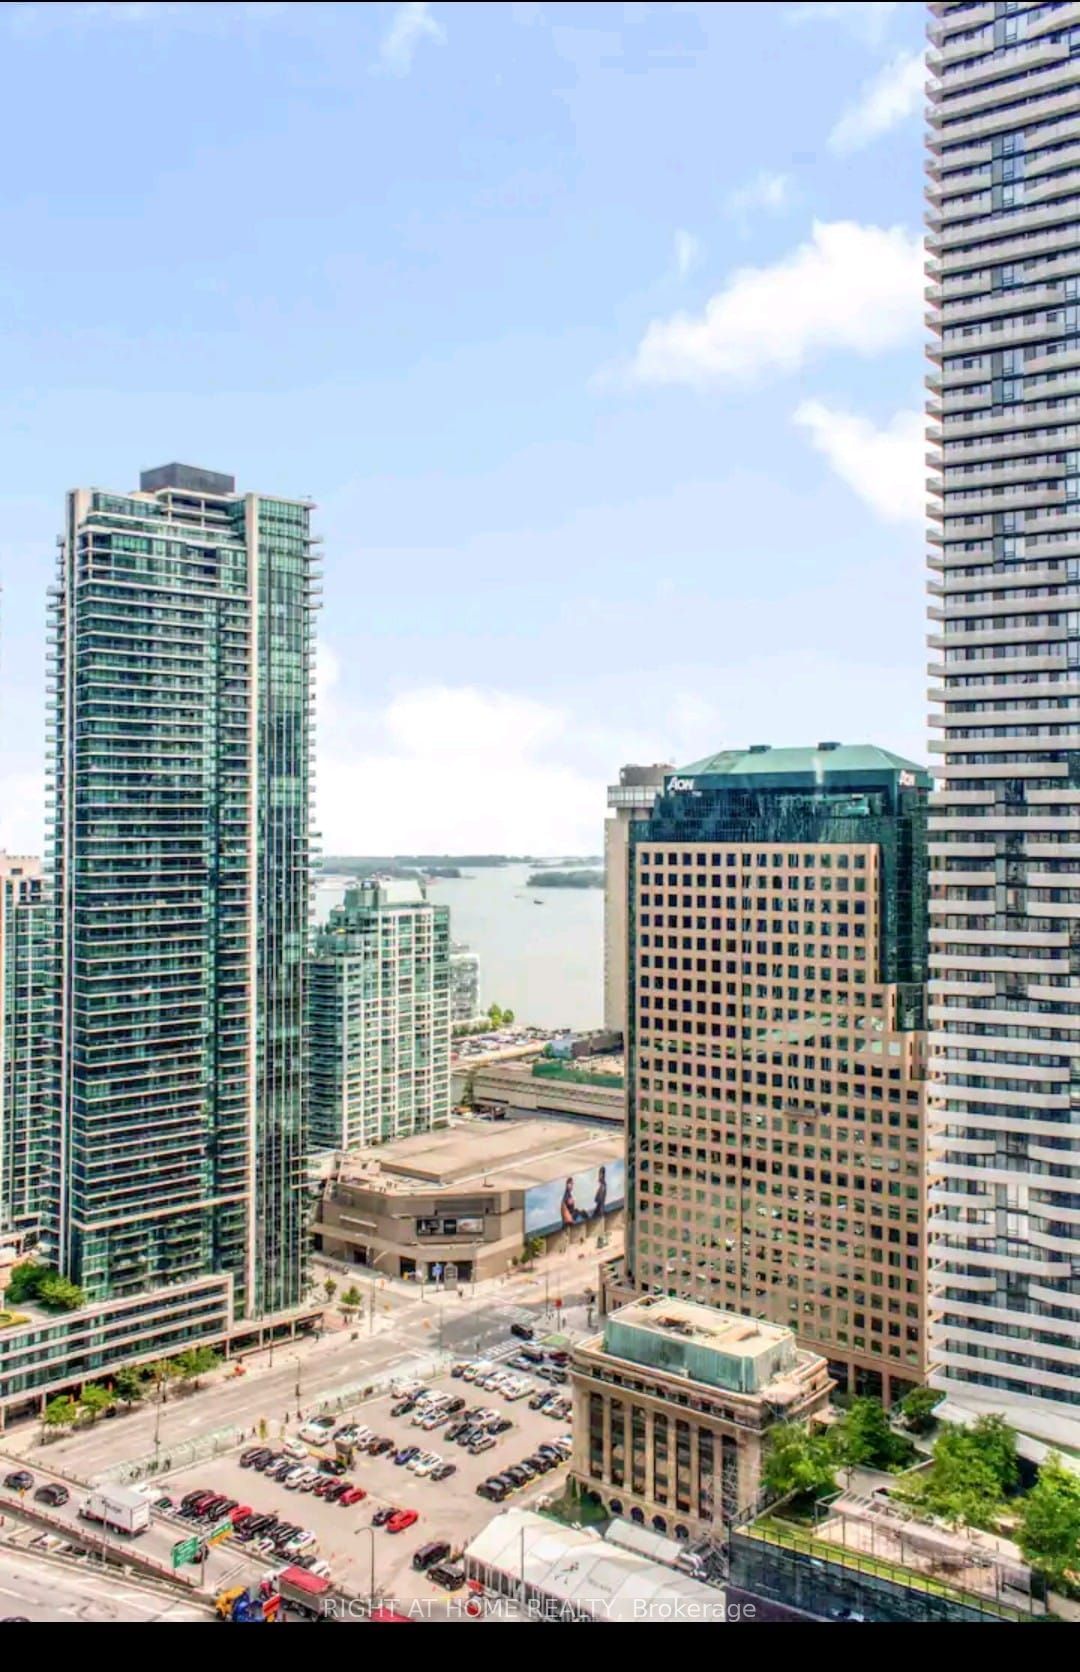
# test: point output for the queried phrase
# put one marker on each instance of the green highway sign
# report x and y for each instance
(222, 1531)
(186, 1551)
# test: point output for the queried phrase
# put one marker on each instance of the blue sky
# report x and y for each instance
(595, 331)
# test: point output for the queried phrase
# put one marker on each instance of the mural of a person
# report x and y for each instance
(600, 1200)
(569, 1211)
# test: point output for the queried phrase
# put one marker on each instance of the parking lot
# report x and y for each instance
(447, 1510)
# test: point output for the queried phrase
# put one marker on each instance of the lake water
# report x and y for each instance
(544, 962)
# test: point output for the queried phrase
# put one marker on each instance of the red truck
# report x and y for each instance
(305, 1592)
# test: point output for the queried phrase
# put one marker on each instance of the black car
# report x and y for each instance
(429, 1554)
(378, 1446)
(253, 1455)
(331, 1466)
(446, 1574)
(403, 1407)
(382, 1516)
(53, 1493)
(333, 1493)
(518, 1475)
(502, 1426)
(494, 1491)
(524, 1332)
(19, 1480)
(540, 1462)
(444, 1471)
(454, 1406)
(270, 1460)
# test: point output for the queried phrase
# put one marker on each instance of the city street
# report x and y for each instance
(36, 1589)
(411, 1331)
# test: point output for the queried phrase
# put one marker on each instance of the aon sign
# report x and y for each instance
(680, 784)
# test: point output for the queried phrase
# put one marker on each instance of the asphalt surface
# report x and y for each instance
(412, 1333)
(39, 1590)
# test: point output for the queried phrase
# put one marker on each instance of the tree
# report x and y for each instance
(23, 1281)
(195, 1362)
(534, 1247)
(351, 1300)
(973, 1470)
(161, 1372)
(918, 1409)
(60, 1412)
(798, 1462)
(863, 1437)
(128, 1384)
(507, 1018)
(1049, 1532)
(995, 1441)
(94, 1399)
(330, 1288)
(58, 1294)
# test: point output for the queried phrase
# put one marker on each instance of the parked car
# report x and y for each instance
(379, 1445)
(382, 1516)
(448, 1575)
(402, 1520)
(294, 1448)
(302, 1540)
(250, 1457)
(484, 1443)
(331, 1466)
(405, 1455)
(351, 1495)
(558, 1356)
(494, 1491)
(444, 1471)
(524, 1332)
(429, 1554)
(317, 1430)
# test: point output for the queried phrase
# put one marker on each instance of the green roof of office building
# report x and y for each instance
(761, 760)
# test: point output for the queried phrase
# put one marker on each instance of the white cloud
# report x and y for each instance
(687, 252)
(445, 769)
(885, 467)
(886, 100)
(868, 20)
(850, 287)
(409, 26)
(766, 191)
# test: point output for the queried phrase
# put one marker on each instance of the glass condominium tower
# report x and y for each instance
(180, 767)
(1004, 543)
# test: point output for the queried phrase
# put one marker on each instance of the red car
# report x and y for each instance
(239, 1513)
(352, 1495)
(404, 1518)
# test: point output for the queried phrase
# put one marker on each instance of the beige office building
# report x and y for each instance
(472, 1197)
(776, 1060)
(673, 1404)
(628, 800)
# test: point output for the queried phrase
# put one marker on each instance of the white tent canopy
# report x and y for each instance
(569, 1572)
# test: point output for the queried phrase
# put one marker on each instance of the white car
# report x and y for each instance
(302, 1541)
(321, 1570)
(317, 1430)
(425, 1465)
(295, 1448)
(296, 1479)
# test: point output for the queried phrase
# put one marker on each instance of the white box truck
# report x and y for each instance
(118, 1507)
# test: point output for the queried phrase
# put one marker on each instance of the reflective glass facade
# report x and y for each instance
(179, 857)
(1003, 249)
(380, 1019)
(28, 1172)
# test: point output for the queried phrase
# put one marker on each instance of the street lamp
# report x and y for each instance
(372, 1264)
